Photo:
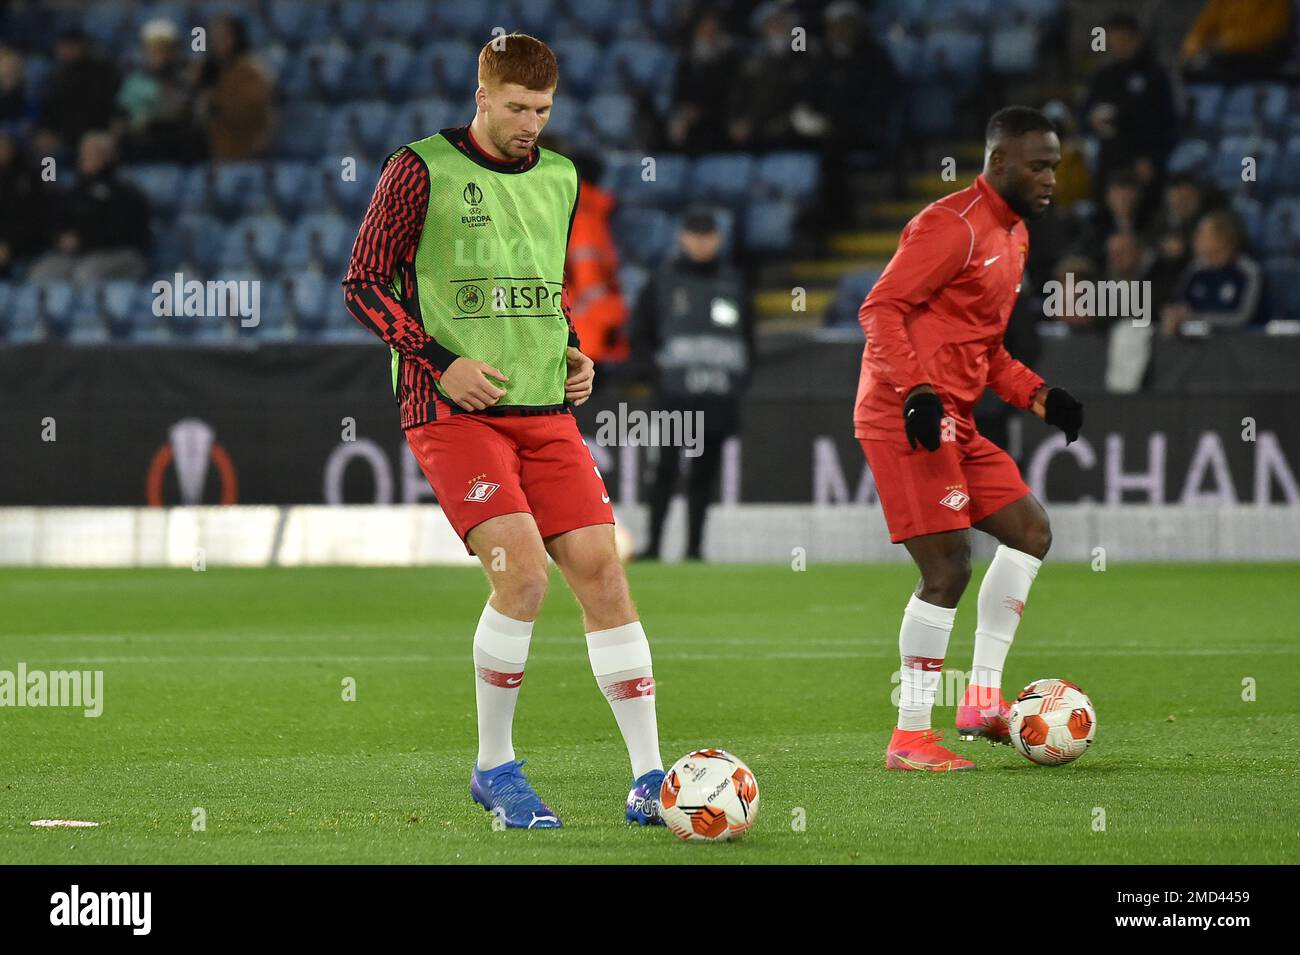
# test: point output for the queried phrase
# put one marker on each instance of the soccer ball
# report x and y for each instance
(709, 796)
(1052, 722)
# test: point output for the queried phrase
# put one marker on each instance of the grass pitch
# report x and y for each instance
(223, 691)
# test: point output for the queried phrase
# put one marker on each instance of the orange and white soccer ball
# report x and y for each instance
(709, 796)
(1052, 722)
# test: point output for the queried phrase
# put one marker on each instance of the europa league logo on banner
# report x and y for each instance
(191, 447)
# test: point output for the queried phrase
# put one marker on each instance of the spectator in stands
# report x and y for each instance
(79, 97)
(1129, 336)
(770, 93)
(1222, 286)
(18, 108)
(697, 122)
(1235, 41)
(1071, 270)
(101, 226)
(1120, 212)
(596, 304)
(235, 94)
(1130, 107)
(693, 337)
(23, 199)
(157, 101)
(1073, 181)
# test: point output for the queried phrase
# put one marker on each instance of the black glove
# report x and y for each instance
(922, 415)
(1063, 410)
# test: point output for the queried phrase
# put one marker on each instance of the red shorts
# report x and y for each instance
(482, 467)
(927, 492)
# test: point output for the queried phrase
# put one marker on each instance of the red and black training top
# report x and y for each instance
(385, 249)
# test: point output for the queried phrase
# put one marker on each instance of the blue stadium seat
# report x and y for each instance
(418, 119)
(197, 188)
(471, 18)
(769, 225)
(955, 54)
(1288, 170)
(201, 237)
(86, 325)
(1254, 108)
(1013, 49)
(360, 129)
(295, 186)
(349, 20)
(320, 241)
(1190, 155)
(639, 62)
(310, 299)
(1203, 106)
(624, 176)
(448, 69)
(611, 117)
(976, 13)
(383, 68)
(632, 280)
(290, 21)
(319, 71)
(50, 303)
(108, 23)
(580, 65)
(253, 243)
(1282, 287)
(536, 18)
(849, 295)
(408, 19)
(1043, 11)
(274, 321)
(1251, 213)
(22, 321)
(932, 108)
(568, 118)
(6, 301)
(723, 177)
(121, 302)
(595, 18)
(351, 195)
(1228, 164)
(788, 175)
(160, 182)
(239, 188)
(303, 130)
(644, 236)
(1282, 228)
(907, 53)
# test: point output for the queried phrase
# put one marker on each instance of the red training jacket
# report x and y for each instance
(939, 312)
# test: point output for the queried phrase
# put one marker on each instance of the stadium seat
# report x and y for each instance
(932, 108)
(1282, 288)
(108, 23)
(383, 68)
(86, 324)
(722, 177)
(1251, 213)
(907, 54)
(1013, 49)
(303, 129)
(644, 236)
(788, 175)
(636, 63)
(536, 18)
(360, 129)
(954, 54)
(1041, 11)
(253, 243)
(1254, 108)
(49, 303)
(568, 119)
(418, 119)
(239, 189)
(319, 241)
(580, 64)
(1203, 106)
(1190, 155)
(352, 195)
(1281, 229)
(611, 116)
(200, 242)
(625, 176)
(310, 299)
(197, 188)
(294, 186)
(319, 71)
(290, 21)
(447, 69)
(632, 280)
(1288, 170)
(769, 225)
(1228, 165)
(849, 295)
(467, 18)
(160, 182)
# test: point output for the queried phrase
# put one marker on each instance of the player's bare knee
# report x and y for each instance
(1037, 540)
(522, 593)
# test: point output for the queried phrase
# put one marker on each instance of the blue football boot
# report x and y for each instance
(506, 794)
(643, 800)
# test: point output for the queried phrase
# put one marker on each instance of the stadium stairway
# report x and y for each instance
(863, 251)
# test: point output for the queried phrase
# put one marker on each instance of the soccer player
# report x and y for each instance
(458, 267)
(934, 323)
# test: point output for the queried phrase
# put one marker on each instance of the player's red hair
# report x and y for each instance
(518, 58)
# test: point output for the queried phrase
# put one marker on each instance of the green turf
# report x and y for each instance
(223, 691)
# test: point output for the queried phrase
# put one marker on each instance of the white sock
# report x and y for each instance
(500, 651)
(620, 659)
(1002, 600)
(922, 643)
